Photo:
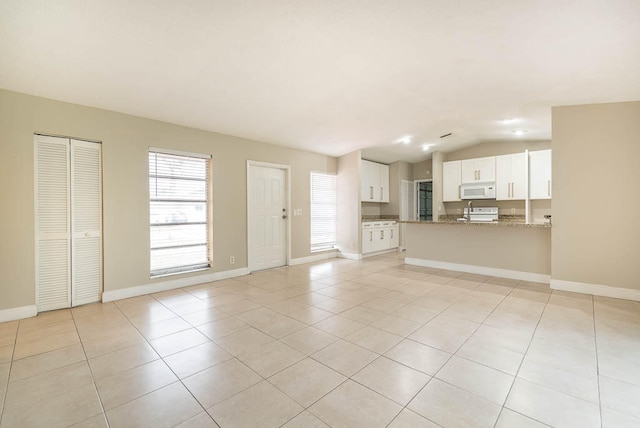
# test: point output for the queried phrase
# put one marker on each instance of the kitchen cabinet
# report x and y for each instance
(479, 169)
(540, 174)
(394, 238)
(451, 179)
(511, 177)
(374, 182)
(379, 236)
(367, 238)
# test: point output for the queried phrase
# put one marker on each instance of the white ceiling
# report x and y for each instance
(329, 76)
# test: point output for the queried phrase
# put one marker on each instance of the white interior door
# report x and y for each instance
(68, 201)
(52, 198)
(86, 222)
(267, 217)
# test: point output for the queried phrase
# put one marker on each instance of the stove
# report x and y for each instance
(481, 214)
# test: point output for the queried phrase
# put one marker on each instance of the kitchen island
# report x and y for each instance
(508, 249)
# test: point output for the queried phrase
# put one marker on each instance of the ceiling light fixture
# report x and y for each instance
(519, 132)
(406, 139)
(426, 147)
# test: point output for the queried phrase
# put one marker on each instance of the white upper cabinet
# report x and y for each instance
(511, 177)
(451, 179)
(540, 174)
(384, 182)
(479, 169)
(374, 182)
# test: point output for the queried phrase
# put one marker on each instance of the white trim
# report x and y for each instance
(482, 270)
(596, 289)
(377, 253)
(18, 313)
(315, 258)
(350, 256)
(125, 293)
(179, 153)
(288, 186)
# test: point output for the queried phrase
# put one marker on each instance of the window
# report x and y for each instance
(323, 211)
(179, 212)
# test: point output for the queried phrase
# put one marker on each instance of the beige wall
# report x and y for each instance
(496, 148)
(348, 199)
(511, 248)
(398, 171)
(125, 141)
(419, 170)
(596, 157)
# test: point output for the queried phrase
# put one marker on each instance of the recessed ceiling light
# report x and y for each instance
(405, 140)
(426, 147)
(519, 132)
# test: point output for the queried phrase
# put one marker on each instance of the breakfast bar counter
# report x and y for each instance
(508, 249)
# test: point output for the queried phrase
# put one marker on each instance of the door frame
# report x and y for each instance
(416, 201)
(287, 189)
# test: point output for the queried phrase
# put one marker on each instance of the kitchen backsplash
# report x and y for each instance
(539, 208)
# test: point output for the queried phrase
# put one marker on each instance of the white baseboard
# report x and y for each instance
(125, 293)
(18, 313)
(596, 289)
(350, 256)
(482, 270)
(315, 258)
(377, 253)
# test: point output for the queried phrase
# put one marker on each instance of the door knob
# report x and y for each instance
(284, 216)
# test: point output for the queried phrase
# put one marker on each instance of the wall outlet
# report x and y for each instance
(457, 210)
(513, 210)
(232, 260)
(297, 211)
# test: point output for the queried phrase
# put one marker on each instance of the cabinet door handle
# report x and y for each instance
(370, 192)
(381, 193)
(478, 174)
(459, 192)
(391, 233)
(370, 236)
(382, 234)
(548, 187)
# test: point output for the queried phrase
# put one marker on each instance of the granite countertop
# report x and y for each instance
(514, 221)
(380, 217)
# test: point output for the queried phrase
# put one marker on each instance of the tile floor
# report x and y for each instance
(341, 343)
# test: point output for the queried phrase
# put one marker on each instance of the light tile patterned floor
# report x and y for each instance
(341, 343)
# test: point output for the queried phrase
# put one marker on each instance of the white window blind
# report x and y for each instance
(323, 211)
(178, 210)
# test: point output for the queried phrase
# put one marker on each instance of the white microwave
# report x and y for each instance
(478, 191)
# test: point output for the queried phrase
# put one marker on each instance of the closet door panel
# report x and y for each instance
(86, 222)
(52, 223)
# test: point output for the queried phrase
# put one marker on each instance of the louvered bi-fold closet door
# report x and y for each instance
(52, 199)
(86, 222)
(68, 198)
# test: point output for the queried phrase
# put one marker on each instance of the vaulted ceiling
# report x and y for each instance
(329, 76)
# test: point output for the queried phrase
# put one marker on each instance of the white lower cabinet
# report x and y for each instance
(379, 236)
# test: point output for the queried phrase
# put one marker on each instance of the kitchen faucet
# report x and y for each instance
(469, 208)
